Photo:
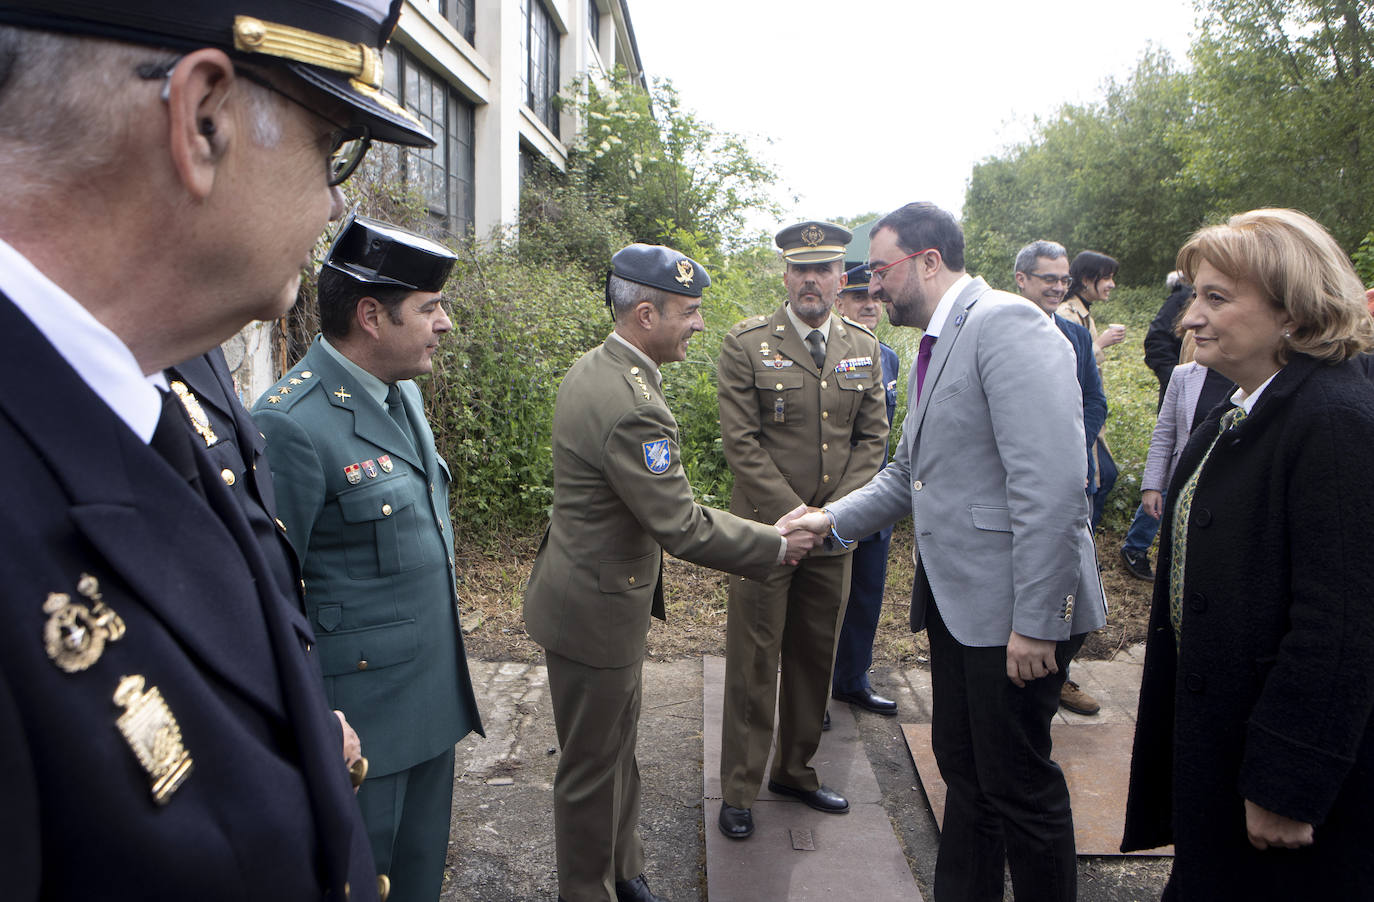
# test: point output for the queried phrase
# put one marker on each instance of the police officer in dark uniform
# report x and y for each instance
(163, 730)
(868, 572)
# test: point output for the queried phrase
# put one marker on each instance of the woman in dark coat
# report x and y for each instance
(1253, 750)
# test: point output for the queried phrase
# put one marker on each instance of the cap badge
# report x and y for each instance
(75, 635)
(657, 456)
(684, 273)
(812, 235)
(154, 735)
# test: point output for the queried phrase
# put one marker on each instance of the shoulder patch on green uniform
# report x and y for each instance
(635, 377)
(860, 326)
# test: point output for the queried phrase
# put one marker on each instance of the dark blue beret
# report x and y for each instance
(857, 279)
(377, 253)
(813, 242)
(334, 45)
(660, 267)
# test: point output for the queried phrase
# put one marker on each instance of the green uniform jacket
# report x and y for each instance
(793, 435)
(376, 556)
(598, 576)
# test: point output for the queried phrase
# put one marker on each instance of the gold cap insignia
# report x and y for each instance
(812, 235)
(684, 273)
(75, 635)
(153, 733)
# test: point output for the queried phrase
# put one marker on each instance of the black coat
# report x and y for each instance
(1269, 696)
(1162, 344)
(266, 810)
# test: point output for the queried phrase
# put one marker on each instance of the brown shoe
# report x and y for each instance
(1073, 698)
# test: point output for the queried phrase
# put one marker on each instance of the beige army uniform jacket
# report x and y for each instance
(793, 435)
(620, 498)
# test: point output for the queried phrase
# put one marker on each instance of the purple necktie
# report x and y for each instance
(923, 361)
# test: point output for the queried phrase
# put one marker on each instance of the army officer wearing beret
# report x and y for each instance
(620, 498)
(364, 497)
(802, 422)
(164, 734)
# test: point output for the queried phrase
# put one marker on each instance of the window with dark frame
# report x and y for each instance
(541, 46)
(444, 174)
(594, 24)
(461, 14)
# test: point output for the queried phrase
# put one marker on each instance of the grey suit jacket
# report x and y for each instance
(991, 468)
(1174, 423)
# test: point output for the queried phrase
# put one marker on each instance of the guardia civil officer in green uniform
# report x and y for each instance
(620, 498)
(363, 495)
(802, 421)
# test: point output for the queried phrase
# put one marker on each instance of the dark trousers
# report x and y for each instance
(854, 651)
(1006, 800)
(407, 815)
(1107, 473)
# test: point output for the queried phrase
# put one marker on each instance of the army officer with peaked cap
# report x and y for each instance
(164, 733)
(801, 422)
(364, 497)
(620, 498)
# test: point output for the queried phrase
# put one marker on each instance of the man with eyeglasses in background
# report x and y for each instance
(164, 734)
(1042, 276)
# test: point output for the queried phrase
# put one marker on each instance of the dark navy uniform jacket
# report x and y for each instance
(195, 756)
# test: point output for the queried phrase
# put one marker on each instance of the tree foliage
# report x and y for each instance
(1275, 111)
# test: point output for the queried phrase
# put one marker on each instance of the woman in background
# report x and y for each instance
(1253, 753)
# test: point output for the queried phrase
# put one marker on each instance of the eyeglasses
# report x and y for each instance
(875, 273)
(348, 144)
(1050, 278)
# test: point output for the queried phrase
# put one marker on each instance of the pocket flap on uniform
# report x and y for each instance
(351, 651)
(622, 576)
(777, 380)
(375, 502)
(329, 616)
(997, 519)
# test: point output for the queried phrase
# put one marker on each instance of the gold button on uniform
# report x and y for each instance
(227, 475)
(825, 478)
(778, 386)
(825, 446)
(632, 580)
(824, 384)
(825, 414)
(917, 485)
(861, 386)
(362, 665)
(386, 510)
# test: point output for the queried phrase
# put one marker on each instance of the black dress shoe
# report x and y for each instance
(867, 699)
(825, 724)
(636, 890)
(823, 799)
(736, 823)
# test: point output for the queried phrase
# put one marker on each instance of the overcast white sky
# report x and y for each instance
(870, 104)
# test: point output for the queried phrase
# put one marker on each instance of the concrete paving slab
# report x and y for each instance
(798, 854)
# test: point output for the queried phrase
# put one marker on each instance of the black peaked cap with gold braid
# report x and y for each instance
(334, 45)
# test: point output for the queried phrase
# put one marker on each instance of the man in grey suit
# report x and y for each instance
(991, 468)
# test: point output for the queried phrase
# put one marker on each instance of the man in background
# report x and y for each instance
(868, 572)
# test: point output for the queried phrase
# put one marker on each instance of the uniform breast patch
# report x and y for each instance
(657, 457)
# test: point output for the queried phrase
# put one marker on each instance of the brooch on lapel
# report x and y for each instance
(154, 735)
(75, 635)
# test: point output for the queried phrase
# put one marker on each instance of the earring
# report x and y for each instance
(1287, 334)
